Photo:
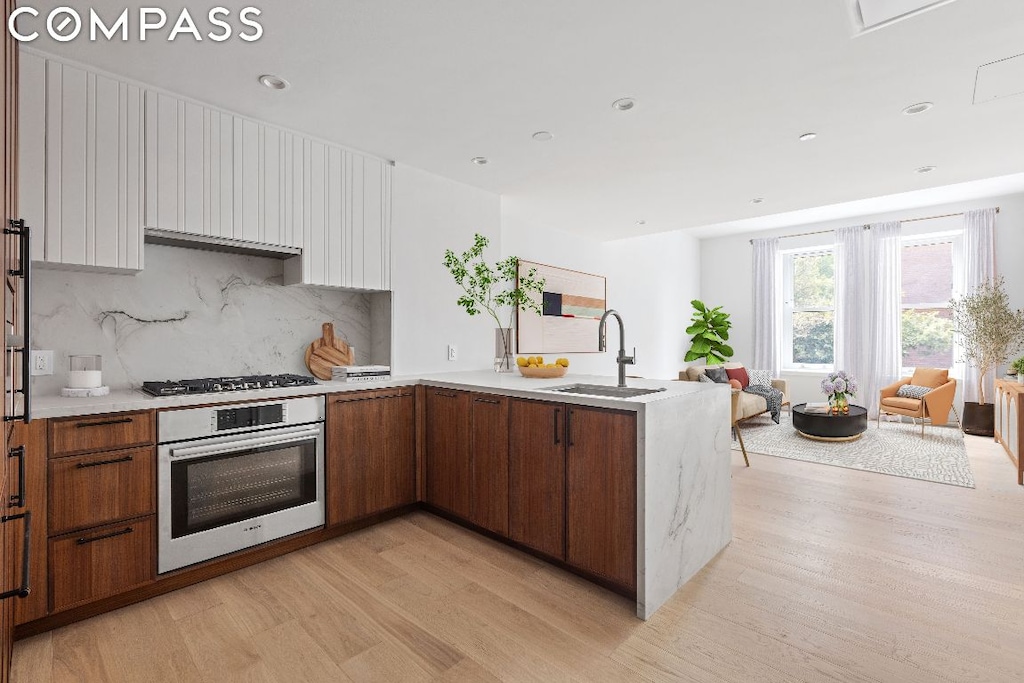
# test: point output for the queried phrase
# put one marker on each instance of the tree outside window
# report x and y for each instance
(927, 287)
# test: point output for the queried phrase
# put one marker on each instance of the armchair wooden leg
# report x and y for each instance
(739, 437)
(957, 416)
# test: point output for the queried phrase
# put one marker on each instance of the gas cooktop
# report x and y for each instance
(213, 385)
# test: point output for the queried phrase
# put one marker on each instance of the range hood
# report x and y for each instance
(224, 244)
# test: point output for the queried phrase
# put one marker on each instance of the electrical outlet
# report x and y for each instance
(451, 352)
(42, 362)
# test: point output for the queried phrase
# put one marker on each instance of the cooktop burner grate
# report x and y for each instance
(214, 385)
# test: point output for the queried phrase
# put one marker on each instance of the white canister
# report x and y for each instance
(86, 372)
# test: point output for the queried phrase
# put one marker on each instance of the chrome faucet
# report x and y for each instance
(623, 360)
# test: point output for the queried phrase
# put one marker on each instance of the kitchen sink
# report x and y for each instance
(604, 390)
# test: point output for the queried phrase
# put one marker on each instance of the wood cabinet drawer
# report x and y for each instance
(100, 562)
(99, 488)
(69, 436)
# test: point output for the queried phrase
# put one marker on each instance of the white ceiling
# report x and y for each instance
(723, 89)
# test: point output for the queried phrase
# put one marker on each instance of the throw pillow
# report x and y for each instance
(740, 375)
(705, 379)
(759, 378)
(912, 391)
(929, 377)
(717, 375)
(735, 384)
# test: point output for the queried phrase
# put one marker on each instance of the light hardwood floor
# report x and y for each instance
(832, 575)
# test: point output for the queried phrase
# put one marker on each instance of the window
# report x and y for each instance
(809, 309)
(927, 286)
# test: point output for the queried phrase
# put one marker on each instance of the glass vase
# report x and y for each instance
(503, 349)
(840, 404)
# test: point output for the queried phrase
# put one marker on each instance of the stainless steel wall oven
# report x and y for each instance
(234, 476)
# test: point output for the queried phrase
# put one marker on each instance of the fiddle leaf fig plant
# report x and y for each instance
(491, 289)
(710, 330)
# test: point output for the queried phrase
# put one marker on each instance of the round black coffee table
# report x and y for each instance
(828, 427)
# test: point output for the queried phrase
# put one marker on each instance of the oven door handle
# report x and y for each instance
(281, 437)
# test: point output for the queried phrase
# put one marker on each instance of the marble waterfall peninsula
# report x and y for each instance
(194, 313)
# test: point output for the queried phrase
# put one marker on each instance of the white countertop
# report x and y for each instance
(507, 384)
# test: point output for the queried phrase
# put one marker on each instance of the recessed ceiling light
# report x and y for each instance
(624, 104)
(641, 222)
(543, 136)
(808, 136)
(273, 82)
(926, 169)
(919, 108)
(479, 161)
(757, 200)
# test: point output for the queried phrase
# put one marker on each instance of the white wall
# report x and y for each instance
(726, 276)
(656, 277)
(431, 214)
(651, 281)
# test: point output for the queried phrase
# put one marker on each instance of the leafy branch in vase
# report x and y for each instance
(490, 289)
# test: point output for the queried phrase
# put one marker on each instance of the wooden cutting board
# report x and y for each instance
(328, 351)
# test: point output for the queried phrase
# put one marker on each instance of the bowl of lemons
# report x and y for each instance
(534, 366)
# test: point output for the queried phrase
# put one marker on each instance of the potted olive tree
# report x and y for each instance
(988, 331)
(492, 289)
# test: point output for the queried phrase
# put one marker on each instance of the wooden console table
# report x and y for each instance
(1010, 422)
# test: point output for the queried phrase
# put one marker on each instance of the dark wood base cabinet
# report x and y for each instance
(554, 479)
(537, 476)
(103, 561)
(447, 450)
(371, 453)
(601, 494)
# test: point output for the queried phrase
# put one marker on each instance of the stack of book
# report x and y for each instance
(360, 373)
(821, 408)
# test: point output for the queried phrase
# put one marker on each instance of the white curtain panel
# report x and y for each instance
(767, 306)
(851, 308)
(975, 265)
(883, 296)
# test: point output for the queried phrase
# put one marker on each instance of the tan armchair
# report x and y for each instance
(934, 406)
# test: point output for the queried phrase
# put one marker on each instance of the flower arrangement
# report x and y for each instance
(838, 386)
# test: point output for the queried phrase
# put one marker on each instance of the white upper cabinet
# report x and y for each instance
(81, 165)
(103, 159)
(215, 174)
(346, 207)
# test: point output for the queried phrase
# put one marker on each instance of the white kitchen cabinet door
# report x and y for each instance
(346, 219)
(375, 243)
(82, 150)
(209, 172)
(176, 160)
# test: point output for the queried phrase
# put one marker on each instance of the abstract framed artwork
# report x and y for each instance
(572, 304)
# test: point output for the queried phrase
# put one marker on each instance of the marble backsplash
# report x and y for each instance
(195, 313)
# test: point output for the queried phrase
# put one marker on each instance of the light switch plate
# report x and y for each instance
(42, 363)
(451, 352)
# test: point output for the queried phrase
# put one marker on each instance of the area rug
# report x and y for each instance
(896, 449)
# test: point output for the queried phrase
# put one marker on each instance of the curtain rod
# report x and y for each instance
(868, 227)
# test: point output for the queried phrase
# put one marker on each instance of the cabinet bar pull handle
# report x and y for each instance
(84, 465)
(24, 271)
(18, 500)
(104, 423)
(487, 400)
(446, 394)
(26, 548)
(568, 425)
(369, 398)
(122, 532)
(558, 439)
